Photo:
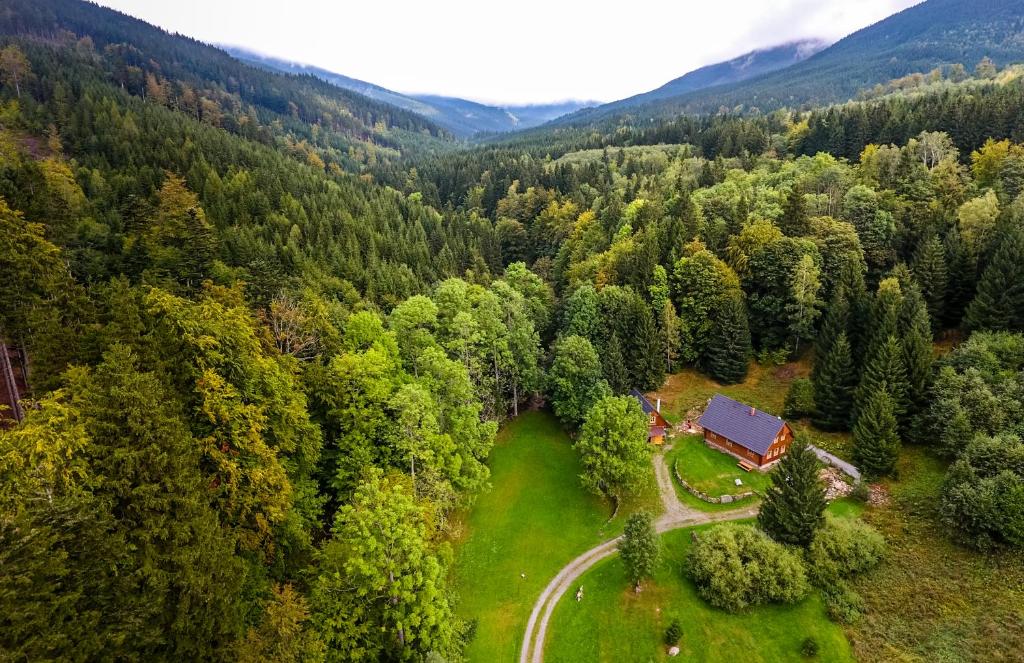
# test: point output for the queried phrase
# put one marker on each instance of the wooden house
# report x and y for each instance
(657, 425)
(757, 438)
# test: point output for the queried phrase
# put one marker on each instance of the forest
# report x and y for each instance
(273, 328)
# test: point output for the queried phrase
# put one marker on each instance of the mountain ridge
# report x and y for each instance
(463, 117)
(927, 35)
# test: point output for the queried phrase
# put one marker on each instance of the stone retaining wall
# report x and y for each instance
(701, 495)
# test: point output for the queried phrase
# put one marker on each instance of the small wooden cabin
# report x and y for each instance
(657, 425)
(745, 432)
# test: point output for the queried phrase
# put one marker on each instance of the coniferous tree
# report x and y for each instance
(884, 317)
(876, 441)
(615, 372)
(835, 381)
(961, 276)
(916, 343)
(728, 354)
(649, 367)
(669, 330)
(794, 221)
(794, 505)
(929, 270)
(999, 302)
(885, 371)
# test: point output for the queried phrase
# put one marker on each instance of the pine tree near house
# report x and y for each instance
(794, 505)
(728, 355)
(614, 365)
(876, 442)
(835, 381)
(999, 302)
(648, 368)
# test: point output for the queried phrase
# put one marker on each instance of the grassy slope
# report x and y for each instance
(712, 471)
(614, 624)
(933, 600)
(534, 520)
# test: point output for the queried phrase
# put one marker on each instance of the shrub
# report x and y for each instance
(768, 357)
(673, 633)
(842, 603)
(842, 548)
(983, 498)
(861, 492)
(799, 399)
(809, 648)
(737, 566)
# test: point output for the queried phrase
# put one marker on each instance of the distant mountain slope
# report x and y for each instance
(738, 69)
(461, 116)
(218, 84)
(928, 35)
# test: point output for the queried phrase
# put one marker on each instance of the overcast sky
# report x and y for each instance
(515, 52)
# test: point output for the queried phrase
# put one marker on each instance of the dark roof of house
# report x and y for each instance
(656, 431)
(645, 404)
(743, 424)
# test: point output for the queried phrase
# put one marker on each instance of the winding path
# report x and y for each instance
(676, 515)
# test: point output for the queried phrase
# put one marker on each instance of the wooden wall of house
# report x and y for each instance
(728, 445)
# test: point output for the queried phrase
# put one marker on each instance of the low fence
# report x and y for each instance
(701, 495)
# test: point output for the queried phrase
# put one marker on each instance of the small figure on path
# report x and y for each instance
(579, 594)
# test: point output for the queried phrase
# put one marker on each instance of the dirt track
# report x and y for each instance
(676, 516)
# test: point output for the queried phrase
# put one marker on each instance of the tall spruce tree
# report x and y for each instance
(929, 269)
(961, 277)
(794, 505)
(835, 380)
(876, 441)
(916, 344)
(728, 354)
(648, 367)
(615, 372)
(999, 302)
(885, 371)
(795, 220)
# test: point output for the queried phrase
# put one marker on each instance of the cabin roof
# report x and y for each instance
(743, 424)
(645, 404)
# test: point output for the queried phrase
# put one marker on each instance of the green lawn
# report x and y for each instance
(712, 471)
(534, 520)
(614, 624)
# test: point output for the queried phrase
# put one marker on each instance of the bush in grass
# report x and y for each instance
(842, 603)
(983, 497)
(861, 492)
(809, 648)
(673, 633)
(842, 548)
(799, 399)
(737, 566)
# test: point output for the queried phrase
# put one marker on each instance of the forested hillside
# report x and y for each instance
(460, 116)
(746, 66)
(932, 34)
(272, 328)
